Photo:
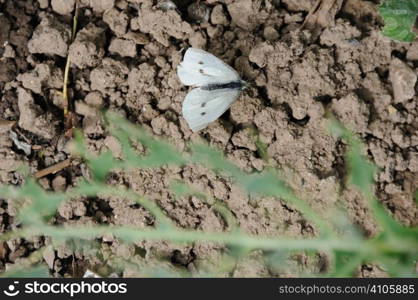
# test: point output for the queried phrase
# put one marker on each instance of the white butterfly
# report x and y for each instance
(217, 87)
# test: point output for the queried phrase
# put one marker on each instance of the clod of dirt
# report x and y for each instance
(63, 7)
(413, 162)
(297, 5)
(374, 51)
(43, 4)
(245, 138)
(218, 16)
(114, 146)
(352, 112)
(373, 88)
(9, 52)
(293, 18)
(244, 110)
(87, 50)
(307, 75)
(405, 208)
(246, 69)
(50, 37)
(403, 80)
(59, 183)
(322, 15)
(63, 251)
(94, 99)
(42, 76)
(412, 53)
(32, 118)
(9, 162)
(125, 48)
(117, 21)
(197, 40)
(7, 70)
(92, 124)
(359, 212)
(261, 52)
(70, 209)
(270, 33)
(107, 76)
(161, 25)
(139, 88)
(363, 13)
(247, 14)
(251, 267)
(137, 37)
(4, 249)
(18, 253)
(343, 35)
(100, 6)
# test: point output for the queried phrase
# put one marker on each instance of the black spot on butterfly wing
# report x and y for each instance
(201, 71)
(202, 113)
(203, 104)
(200, 62)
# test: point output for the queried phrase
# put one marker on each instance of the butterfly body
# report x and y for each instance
(217, 86)
(238, 84)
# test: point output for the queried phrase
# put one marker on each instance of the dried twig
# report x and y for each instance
(53, 169)
(68, 63)
(69, 116)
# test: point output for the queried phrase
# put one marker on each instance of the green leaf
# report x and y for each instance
(266, 184)
(361, 175)
(101, 165)
(44, 204)
(399, 17)
(214, 159)
(33, 272)
(158, 152)
(345, 263)
(394, 248)
(262, 149)
(361, 170)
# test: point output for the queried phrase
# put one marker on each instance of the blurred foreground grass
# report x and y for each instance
(395, 249)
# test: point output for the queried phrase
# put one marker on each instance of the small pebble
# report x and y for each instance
(270, 33)
(198, 12)
(166, 5)
(63, 7)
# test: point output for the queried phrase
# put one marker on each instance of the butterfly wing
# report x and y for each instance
(201, 107)
(200, 68)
